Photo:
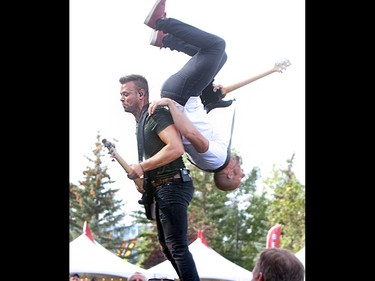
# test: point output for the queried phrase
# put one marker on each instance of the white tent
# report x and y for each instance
(301, 255)
(88, 256)
(210, 265)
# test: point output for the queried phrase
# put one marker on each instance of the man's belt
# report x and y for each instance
(158, 182)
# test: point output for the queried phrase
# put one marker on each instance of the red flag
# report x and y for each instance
(273, 237)
(201, 236)
(87, 231)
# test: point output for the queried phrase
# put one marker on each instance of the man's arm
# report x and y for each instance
(172, 150)
(183, 124)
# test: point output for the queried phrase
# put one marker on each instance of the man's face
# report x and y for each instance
(236, 171)
(74, 278)
(129, 97)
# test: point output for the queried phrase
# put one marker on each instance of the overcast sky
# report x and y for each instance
(108, 40)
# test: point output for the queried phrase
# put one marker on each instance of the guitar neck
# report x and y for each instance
(227, 89)
(122, 162)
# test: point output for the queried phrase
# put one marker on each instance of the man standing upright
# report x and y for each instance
(165, 171)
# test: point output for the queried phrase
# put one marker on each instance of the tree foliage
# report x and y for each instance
(94, 201)
(287, 207)
(232, 222)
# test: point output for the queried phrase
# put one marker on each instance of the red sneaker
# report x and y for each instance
(157, 12)
(157, 37)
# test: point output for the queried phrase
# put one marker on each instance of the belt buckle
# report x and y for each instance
(158, 182)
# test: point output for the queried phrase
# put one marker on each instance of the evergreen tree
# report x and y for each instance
(207, 206)
(234, 223)
(287, 207)
(242, 231)
(94, 201)
(148, 252)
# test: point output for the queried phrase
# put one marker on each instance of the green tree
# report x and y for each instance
(234, 223)
(241, 232)
(148, 251)
(287, 206)
(207, 206)
(94, 201)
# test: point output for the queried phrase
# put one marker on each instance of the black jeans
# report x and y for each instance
(172, 201)
(207, 53)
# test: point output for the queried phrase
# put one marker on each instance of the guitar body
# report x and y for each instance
(147, 200)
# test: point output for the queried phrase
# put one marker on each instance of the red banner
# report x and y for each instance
(87, 231)
(273, 237)
(201, 236)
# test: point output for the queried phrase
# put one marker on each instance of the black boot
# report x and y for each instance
(211, 99)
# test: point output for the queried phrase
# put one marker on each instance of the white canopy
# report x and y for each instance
(88, 256)
(301, 255)
(210, 265)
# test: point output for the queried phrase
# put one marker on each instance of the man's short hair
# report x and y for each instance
(279, 264)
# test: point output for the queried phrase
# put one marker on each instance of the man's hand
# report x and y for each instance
(159, 102)
(219, 87)
(135, 171)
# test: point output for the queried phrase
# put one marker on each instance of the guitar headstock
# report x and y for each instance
(108, 145)
(281, 65)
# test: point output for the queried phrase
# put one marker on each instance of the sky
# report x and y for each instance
(108, 40)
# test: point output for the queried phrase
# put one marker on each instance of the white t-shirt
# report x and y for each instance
(216, 154)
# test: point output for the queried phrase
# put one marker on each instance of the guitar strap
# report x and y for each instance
(147, 197)
(140, 130)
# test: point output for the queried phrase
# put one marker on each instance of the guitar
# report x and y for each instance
(279, 66)
(147, 199)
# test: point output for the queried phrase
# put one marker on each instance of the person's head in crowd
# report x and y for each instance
(160, 279)
(275, 264)
(74, 277)
(137, 276)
